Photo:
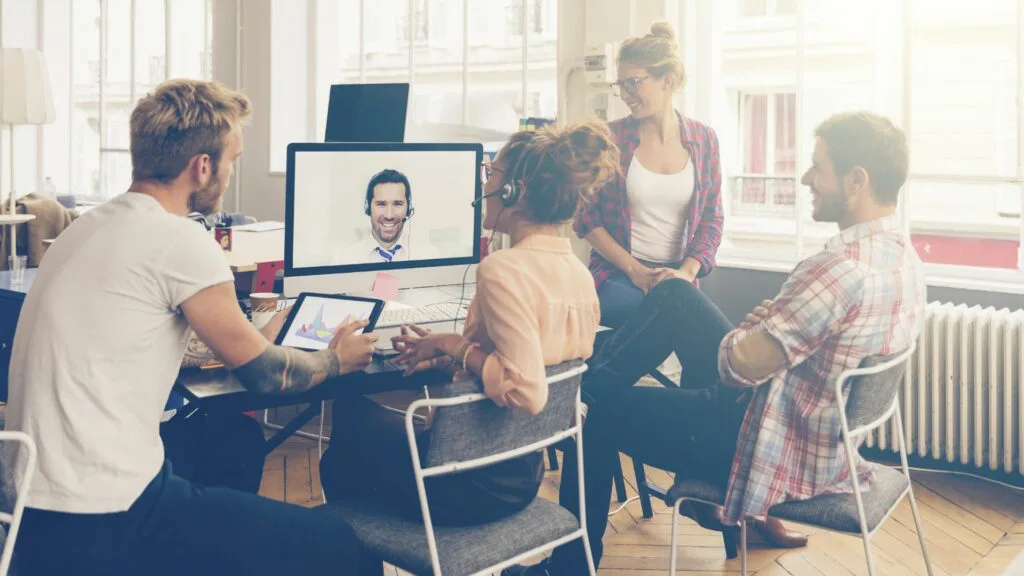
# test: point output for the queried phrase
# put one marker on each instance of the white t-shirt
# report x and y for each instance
(98, 346)
(658, 204)
(365, 251)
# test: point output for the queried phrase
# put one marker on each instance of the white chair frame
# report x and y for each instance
(14, 518)
(440, 470)
(848, 439)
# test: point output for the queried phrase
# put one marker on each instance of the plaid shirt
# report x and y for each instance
(862, 295)
(609, 208)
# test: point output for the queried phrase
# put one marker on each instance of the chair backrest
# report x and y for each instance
(17, 466)
(481, 429)
(873, 389)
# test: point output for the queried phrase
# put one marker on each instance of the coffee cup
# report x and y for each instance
(264, 305)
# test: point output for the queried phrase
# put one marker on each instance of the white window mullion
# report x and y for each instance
(71, 99)
(312, 40)
(168, 30)
(102, 130)
(801, 153)
(526, 52)
(769, 148)
(465, 62)
(132, 53)
(362, 41)
(1020, 132)
(412, 40)
(907, 108)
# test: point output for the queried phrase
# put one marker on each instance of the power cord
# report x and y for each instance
(623, 506)
(465, 273)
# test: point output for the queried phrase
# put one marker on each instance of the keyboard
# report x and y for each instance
(444, 312)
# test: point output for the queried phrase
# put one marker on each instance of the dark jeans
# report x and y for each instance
(619, 297)
(369, 457)
(691, 432)
(176, 527)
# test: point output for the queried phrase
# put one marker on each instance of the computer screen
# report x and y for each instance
(372, 207)
(367, 112)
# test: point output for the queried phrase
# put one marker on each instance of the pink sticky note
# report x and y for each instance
(385, 286)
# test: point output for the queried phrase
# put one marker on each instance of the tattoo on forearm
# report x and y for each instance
(287, 370)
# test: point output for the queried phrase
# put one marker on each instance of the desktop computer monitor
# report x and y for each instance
(367, 112)
(353, 210)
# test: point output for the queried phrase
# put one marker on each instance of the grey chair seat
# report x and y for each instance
(831, 511)
(839, 511)
(694, 490)
(462, 550)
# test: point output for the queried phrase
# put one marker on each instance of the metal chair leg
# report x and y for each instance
(676, 511)
(743, 547)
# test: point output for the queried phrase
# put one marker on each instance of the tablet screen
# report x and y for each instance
(314, 321)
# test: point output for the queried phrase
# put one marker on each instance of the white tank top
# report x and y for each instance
(658, 204)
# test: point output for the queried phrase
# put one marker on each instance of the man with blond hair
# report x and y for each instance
(98, 345)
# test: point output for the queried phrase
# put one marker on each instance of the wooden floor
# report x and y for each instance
(972, 527)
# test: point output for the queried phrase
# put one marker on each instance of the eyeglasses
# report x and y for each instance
(630, 85)
(489, 169)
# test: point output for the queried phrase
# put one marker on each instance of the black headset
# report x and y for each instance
(510, 192)
(389, 176)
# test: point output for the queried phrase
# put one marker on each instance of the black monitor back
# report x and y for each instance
(367, 113)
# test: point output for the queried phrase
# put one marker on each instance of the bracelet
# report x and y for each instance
(460, 350)
(465, 355)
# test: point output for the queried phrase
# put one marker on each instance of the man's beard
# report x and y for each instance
(832, 207)
(207, 199)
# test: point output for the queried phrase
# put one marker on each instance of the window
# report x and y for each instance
(768, 149)
(103, 55)
(767, 7)
(422, 19)
(476, 81)
(962, 200)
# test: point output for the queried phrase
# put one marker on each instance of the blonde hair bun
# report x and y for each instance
(663, 30)
(657, 52)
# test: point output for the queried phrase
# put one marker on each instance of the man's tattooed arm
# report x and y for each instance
(281, 370)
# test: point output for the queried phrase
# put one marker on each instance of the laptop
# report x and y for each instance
(367, 112)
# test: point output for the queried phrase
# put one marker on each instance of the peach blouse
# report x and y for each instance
(535, 306)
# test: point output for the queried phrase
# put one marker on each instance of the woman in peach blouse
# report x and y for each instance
(535, 306)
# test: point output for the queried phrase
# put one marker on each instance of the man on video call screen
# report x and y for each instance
(363, 207)
(389, 206)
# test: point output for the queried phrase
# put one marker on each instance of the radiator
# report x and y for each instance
(962, 396)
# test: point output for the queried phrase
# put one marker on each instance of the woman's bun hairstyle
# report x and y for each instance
(656, 52)
(560, 168)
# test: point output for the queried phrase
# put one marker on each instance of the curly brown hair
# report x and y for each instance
(560, 167)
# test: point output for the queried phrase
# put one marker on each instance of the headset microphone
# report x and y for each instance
(484, 197)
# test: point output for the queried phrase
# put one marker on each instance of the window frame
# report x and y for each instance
(946, 275)
(323, 66)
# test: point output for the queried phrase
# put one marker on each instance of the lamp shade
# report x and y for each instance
(25, 94)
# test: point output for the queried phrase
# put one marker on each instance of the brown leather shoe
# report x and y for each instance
(776, 535)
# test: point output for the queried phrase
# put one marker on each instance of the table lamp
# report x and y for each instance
(25, 98)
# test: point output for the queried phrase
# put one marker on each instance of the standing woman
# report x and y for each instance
(663, 217)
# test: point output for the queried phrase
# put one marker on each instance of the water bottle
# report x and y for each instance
(49, 190)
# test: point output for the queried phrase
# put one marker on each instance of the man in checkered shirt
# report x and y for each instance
(757, 415)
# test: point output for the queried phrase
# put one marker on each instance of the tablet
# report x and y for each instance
(314, 318)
